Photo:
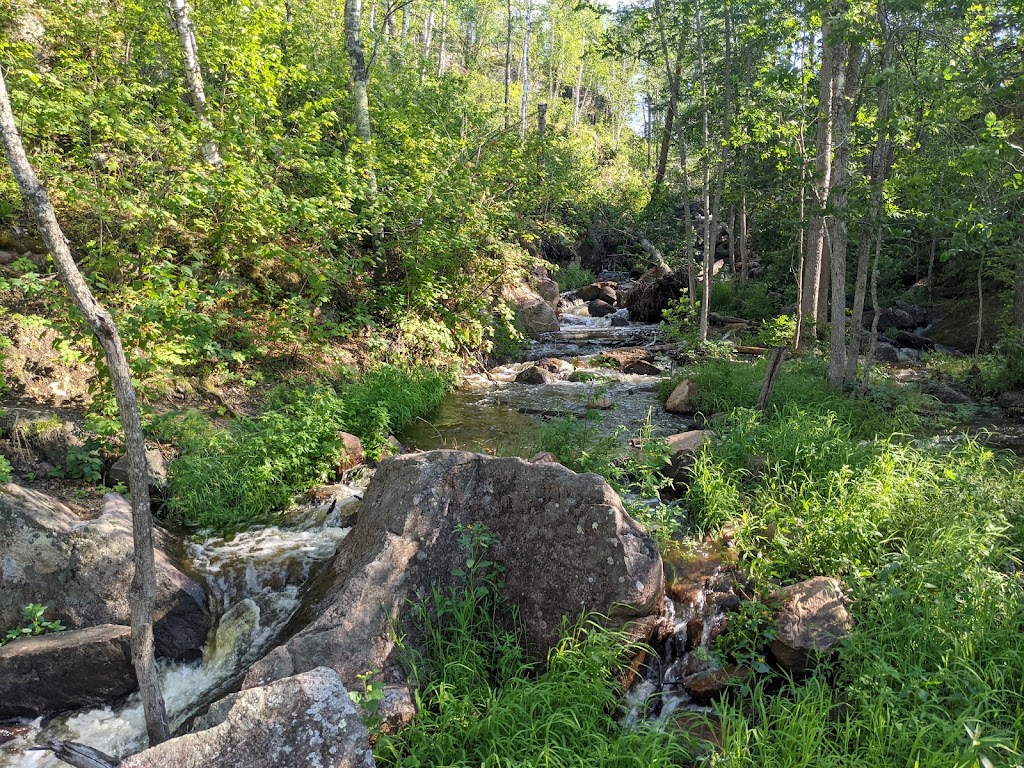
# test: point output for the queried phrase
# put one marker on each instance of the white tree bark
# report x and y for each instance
(441, 38)
(142, 594)
(579, 87)
(709, 247)
(525, 76)
(193, 75)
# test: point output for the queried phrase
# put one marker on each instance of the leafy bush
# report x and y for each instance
(228, 477)
(37, 625)
(570, 277)
(5, 469)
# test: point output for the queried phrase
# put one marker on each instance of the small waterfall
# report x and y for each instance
(255, 581)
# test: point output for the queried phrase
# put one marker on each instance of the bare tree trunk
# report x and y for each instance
(143, 587)
(801, 269)
(1018, 293)
(847, 82)
(428, 37)
(709, 248)
(732, 239)
(525, 74)
(193, 75)
(441, 38)
(874, 318)
(691, 268)
(814, 264)
(879, 163)
(670, 115)
(981, 307)
(360, 81)
(577, 95)
(508, 64)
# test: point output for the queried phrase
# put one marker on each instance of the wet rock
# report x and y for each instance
(619, 318)
(622, 358)
(702, 726)
(298, 722)
(643, 368)
(564, 539)
(709, 685)
(911, 340)
(600, 404)
(82, 668)
(155, 467)
(683, 450)
(681, 399)
(81, 569)
(811, 623)
(351, 454)
(534, 375)
(600, 308)
(582, 376)
(11, 732)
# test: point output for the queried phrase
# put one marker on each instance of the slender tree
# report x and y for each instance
(194, 75)
(142, 592)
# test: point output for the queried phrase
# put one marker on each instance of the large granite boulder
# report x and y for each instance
(65, 670)
(813, 621)
(81, 569)
(565, 542)
(301, 721)
(533, 314)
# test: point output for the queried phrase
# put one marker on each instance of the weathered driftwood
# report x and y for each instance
(774, 365)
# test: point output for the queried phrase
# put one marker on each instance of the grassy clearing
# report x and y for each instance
(929, 544)
(482, 701)
(227, 478)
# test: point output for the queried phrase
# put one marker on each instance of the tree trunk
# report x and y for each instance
(360, 81)
(441, 38)
(508, 64)
(815, 259)
(194, 76)
(1018, 293)
(525, 74)
(709, 248)
(577, 95)
(142, 593)
(670, 115)
(847, 82)
(879, 162)
(691, 268)
(981, 308)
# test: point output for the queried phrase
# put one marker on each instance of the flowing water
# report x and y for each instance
(256, 582)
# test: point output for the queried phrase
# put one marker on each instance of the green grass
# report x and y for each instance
(570, 277)
(227, 478)
(483, 701)
(928, 543)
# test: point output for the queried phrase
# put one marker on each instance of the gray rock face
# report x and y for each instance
(564, 539)
(600, 308)
(812, 622)
(305, 721)
(681, 399)
(547, 289)
(83, 668)
(82, 569)
(533, 314)
(155, 465)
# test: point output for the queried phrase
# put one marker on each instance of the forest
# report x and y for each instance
(317, 219)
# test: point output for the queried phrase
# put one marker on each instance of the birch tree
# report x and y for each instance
(194, 75)
(142, 592)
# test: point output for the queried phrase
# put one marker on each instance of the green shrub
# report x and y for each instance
(5, 470)
(226, 478)
(36, 624)
(570, 277)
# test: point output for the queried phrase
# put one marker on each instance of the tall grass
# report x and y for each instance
(226, 478)
(928, 543)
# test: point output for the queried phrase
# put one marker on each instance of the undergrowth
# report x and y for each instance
(227, 478)
(928, 542)
(483, 701)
